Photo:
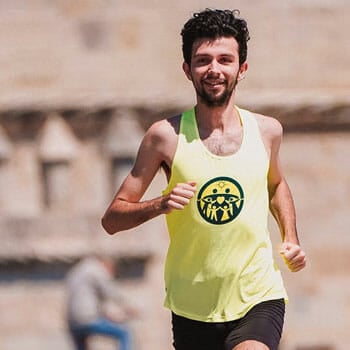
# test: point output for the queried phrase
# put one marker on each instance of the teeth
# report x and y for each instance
(214, 82)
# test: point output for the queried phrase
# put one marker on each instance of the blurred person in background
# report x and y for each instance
(94, 305)
(222, 164)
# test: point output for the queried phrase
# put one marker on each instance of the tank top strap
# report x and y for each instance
(188, 125)
(252, 139)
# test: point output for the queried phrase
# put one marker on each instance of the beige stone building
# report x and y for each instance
(80, 81)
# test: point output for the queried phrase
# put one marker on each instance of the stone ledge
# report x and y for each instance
(65, 238)
(294, 118)
(311, 118)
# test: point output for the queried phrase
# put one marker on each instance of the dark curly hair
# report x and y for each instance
(212, 24)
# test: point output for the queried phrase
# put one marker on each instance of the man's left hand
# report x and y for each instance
(293, 256)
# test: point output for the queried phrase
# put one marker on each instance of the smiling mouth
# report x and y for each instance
(215, 83)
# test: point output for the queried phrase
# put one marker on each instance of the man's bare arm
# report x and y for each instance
(126, 210)
(282, 208)
(281, 202)
(123, 214)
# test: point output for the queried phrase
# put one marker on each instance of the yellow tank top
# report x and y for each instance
(219, 262)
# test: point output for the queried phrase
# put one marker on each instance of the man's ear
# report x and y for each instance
(186, 68)
(242, 70)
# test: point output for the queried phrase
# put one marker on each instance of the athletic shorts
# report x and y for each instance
(263, 323)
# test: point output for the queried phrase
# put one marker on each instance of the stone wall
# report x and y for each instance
(93, 52)
(318, 311)
(82, 80)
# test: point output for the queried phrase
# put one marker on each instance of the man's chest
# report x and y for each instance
(224, 144)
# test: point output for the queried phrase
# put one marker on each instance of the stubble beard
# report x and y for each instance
(212, 100)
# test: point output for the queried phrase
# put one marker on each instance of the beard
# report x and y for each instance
(211, 99)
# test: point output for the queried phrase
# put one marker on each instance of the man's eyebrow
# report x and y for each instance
(201, 54)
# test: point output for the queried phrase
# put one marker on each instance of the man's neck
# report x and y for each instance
(217, 117)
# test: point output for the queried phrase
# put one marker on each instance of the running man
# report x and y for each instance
(223, 170)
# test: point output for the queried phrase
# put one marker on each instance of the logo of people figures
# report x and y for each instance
(220, 200)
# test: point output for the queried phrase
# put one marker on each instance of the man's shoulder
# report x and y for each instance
(269, 126)
(164, 128)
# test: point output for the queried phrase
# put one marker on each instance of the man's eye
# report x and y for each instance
(202, 61)
(226, 60)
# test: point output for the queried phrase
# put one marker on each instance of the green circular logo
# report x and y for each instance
(220, 200)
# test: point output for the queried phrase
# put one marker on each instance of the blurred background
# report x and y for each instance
(80, 81)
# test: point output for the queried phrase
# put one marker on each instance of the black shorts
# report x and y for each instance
(263, 323)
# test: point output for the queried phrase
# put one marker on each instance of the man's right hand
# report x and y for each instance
(179, 196)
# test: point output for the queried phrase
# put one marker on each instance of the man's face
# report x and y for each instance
(215, 69)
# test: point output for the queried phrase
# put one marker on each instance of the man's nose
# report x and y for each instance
(213, 67)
